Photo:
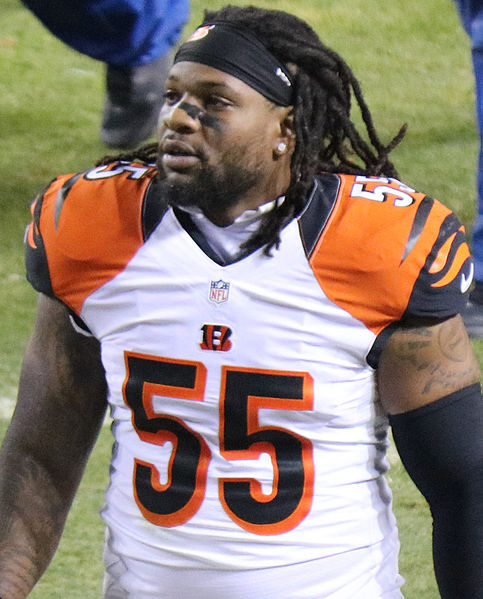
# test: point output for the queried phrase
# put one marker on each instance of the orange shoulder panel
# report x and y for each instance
(364, 259)
(91, 228)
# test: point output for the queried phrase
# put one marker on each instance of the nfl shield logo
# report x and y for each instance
(219, 291)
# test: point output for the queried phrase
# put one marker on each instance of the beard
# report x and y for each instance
(213, 190)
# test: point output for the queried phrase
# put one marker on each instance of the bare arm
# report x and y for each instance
(60, 408)
(423, 363)
(428, 384)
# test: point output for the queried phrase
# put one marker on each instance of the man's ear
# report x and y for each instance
(286, 139)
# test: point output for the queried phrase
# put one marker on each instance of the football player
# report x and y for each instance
(257, 298)
(134, 38)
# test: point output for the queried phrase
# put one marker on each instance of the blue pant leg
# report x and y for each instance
(118, 32)
(464, 8)
(470, 15)
(477, 235)
(471, 12)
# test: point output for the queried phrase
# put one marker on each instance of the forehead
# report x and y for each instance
(193, 75)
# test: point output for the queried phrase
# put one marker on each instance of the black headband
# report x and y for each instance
(238, 52)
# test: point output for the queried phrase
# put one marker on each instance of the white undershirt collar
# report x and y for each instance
(226, 241)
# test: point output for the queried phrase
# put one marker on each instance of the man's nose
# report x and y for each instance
(181, 116)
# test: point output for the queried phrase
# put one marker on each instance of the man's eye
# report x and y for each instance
(170, 97)
(216, 102)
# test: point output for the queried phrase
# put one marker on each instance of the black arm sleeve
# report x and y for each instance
(441, 447)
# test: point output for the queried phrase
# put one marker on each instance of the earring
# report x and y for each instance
(281, 147)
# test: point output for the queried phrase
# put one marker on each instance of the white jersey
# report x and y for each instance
(248, 432)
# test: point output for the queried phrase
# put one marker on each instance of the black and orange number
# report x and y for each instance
(244, 392)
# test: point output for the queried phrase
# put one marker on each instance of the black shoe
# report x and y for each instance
(134, 96)
(473, 318)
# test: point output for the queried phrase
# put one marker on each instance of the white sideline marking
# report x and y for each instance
(6, 407)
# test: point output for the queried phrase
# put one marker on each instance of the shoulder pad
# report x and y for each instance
(387, 250)
(87, 226)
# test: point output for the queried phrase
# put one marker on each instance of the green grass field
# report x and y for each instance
(413, 61)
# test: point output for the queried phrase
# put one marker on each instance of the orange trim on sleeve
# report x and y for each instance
(462, 254)
(358, 260)
(99, 229)
(442, 257)
(32, 228)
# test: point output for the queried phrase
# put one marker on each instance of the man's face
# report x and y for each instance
(218, 139)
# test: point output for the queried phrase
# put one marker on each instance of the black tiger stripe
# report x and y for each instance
(419, 222)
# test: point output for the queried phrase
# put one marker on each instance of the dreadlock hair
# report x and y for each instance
(326, 139)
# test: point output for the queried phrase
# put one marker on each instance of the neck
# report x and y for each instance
(263, 194)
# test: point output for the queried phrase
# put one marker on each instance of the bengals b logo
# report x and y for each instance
(216, 337)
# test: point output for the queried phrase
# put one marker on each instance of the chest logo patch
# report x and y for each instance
(216, 337)
(219, 291)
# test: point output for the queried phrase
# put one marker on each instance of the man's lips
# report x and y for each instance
(177, 155)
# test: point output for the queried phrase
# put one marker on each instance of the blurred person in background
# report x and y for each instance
(134, 38)
(471, 12)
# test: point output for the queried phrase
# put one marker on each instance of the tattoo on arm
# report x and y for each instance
(453, 343)
(422, 364)
(60, 408)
